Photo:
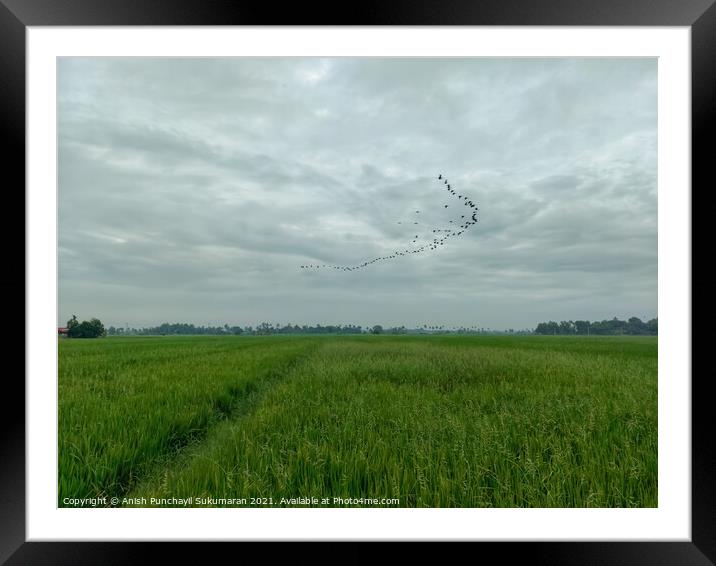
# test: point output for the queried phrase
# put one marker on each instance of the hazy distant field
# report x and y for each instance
(427, 420)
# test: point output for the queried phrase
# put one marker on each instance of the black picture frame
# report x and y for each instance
(17, 15)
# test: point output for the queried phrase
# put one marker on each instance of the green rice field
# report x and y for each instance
(380, 421)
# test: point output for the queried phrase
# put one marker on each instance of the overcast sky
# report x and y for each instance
(192, 190)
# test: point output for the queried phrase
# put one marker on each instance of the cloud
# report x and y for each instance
(192, 189)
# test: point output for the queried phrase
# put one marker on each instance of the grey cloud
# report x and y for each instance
(192, 189)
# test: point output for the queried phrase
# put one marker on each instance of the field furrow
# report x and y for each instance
(126, 406)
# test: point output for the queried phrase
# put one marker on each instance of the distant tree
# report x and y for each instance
(550, 327)
(85, 329)
(264, 328)
(72, 324)
(618, 326)
(566, 327)
(581, 326)
(635, 326)
(377, 329)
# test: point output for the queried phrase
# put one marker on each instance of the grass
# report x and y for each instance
(430, 421)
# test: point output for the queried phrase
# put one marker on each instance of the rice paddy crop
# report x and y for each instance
(408, 421)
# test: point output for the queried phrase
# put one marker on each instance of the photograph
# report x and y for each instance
(357, 282)
(390, 281)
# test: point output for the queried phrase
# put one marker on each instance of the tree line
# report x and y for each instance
(266, 328)
(95, 329)
(614, 327)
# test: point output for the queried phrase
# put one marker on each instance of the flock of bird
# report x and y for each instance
(438, 238)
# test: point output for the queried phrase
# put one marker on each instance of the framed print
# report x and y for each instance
(466, 223)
